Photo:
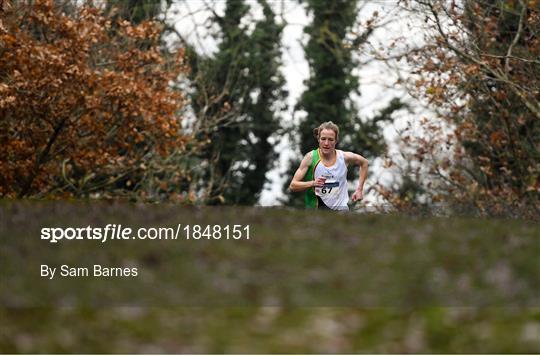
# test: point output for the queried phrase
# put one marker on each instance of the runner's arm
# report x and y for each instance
(297, 183)
(358, 160)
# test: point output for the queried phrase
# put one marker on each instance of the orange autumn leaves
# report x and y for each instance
(84, 102)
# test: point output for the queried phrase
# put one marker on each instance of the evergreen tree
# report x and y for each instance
(331, 80)
(263, 110)
(236, 101)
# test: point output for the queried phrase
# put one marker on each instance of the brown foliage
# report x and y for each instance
(86, 104)
(480, 72)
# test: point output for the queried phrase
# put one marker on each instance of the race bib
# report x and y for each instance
(330, 189)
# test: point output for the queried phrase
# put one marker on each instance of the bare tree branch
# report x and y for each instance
(516, 38)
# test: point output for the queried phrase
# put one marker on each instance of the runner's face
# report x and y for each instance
(327, 140)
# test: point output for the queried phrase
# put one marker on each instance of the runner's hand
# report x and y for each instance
(319, 182)
(358, 195)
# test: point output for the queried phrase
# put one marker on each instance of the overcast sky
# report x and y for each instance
(377, 80)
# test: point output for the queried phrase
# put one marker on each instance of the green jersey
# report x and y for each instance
(310, 197)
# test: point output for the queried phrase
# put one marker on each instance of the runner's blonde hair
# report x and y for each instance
(328, 125)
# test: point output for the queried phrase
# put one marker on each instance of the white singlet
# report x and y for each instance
(334, 193)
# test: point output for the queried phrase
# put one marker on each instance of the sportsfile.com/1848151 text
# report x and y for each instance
(120, 232)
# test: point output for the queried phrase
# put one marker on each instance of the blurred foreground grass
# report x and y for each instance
(439, 276)
(270, 330)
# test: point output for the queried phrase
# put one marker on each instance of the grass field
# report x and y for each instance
(308, 282)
